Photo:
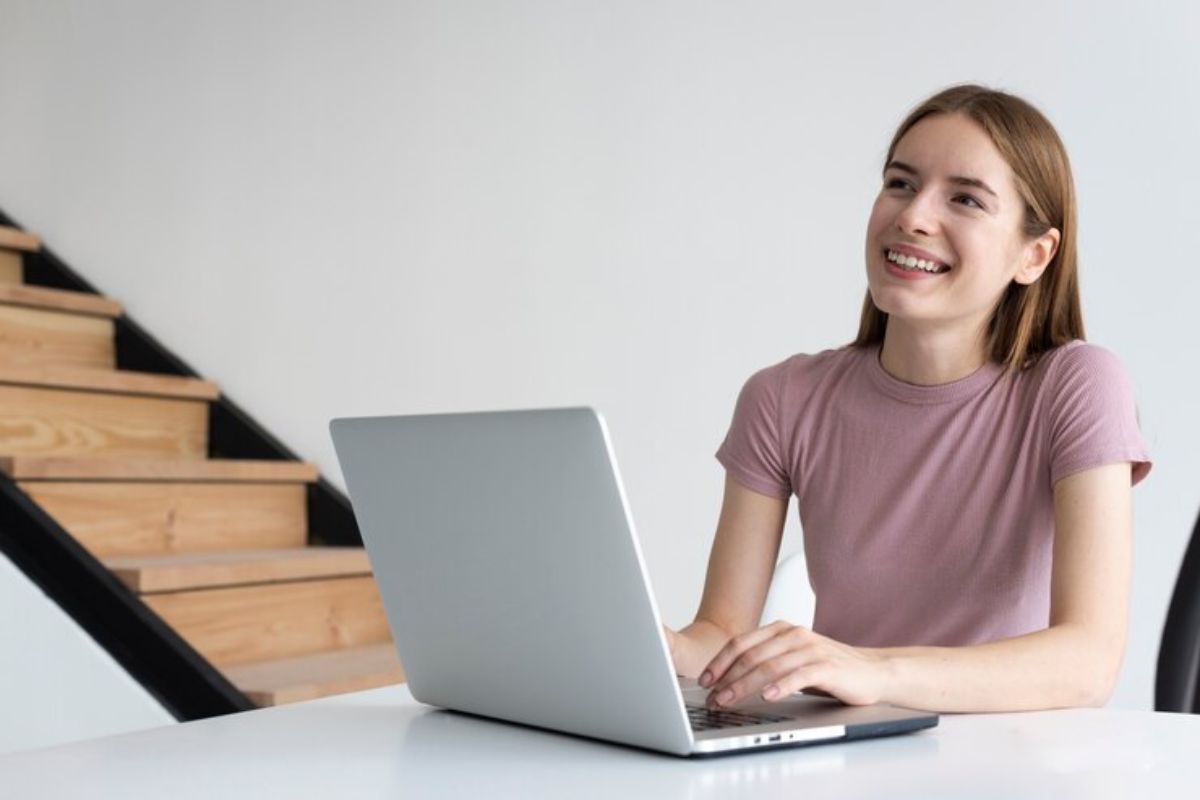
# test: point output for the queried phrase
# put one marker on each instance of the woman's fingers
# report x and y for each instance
(759, 659)
(732, 650)
(736, 647)
(753, 683)
(779, 660)
(800, 676)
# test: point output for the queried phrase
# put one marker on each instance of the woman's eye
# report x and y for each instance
(972, 199)
(895, 183)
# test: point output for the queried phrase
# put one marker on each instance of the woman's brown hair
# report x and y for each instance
(1029, 319)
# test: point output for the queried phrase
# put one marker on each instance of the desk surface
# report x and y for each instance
(381, 743)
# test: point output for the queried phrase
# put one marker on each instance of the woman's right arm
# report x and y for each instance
(740, 567)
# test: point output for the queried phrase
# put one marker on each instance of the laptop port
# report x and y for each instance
(775, 738)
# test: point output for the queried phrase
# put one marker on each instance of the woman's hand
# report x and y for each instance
(672, 640)
(694, 646)
(780, 659)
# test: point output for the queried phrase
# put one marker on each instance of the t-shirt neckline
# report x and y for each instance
(961, 389)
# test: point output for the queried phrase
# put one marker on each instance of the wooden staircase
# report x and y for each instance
(217, 548)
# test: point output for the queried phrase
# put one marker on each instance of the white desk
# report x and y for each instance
(381, 743)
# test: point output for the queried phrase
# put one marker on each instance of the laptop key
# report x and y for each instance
(703, 718)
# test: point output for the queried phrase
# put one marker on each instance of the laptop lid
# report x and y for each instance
(510, 573)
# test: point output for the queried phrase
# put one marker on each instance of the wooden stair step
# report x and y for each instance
(60, 411)
(143, 518)
(122, 382)
(17, 239)
(191, 470)
(168, 573)
(33, 337)
(149, 506)
(288, 680)
(44, 298)
(12, 267)
(49, 421)
(52, 328)
(261, 622)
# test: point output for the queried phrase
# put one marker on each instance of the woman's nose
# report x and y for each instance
(918, 215)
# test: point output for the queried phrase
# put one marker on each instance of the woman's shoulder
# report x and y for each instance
(1079, 361)
(1081, 380)
(1090, 410)
(805, 365)
(796, 377)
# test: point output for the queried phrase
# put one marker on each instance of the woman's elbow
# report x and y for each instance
(1103, 676)
(1083, 690)
(1099, 696)
(1092, 669)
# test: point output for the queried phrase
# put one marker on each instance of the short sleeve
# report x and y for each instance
(1093, 416)
(751, 451)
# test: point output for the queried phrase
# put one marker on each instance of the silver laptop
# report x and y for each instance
(514, 586)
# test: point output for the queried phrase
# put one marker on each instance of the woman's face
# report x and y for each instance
(950, 195)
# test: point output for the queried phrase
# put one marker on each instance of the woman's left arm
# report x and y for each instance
(1074, 662)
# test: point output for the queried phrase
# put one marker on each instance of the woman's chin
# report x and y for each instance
(908, 312)
(894, 303)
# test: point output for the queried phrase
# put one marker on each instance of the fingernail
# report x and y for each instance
(706, 678)
(724, 697)
(771, 692)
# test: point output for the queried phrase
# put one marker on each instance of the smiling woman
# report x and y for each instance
(963, 469)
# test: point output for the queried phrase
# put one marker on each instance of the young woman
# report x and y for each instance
(963, 469)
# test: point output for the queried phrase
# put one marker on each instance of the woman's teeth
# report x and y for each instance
(909, 262)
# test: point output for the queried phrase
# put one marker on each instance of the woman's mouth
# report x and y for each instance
(909, 267)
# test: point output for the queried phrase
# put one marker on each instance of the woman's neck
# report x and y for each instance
(930, 357)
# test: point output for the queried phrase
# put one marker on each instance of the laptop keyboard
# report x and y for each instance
(708, 719)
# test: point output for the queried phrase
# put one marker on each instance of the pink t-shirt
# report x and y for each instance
(928, 511)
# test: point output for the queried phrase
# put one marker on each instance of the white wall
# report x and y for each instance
(399, 207)
(56, 683)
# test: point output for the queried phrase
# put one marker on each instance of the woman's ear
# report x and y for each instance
(1038, 255)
